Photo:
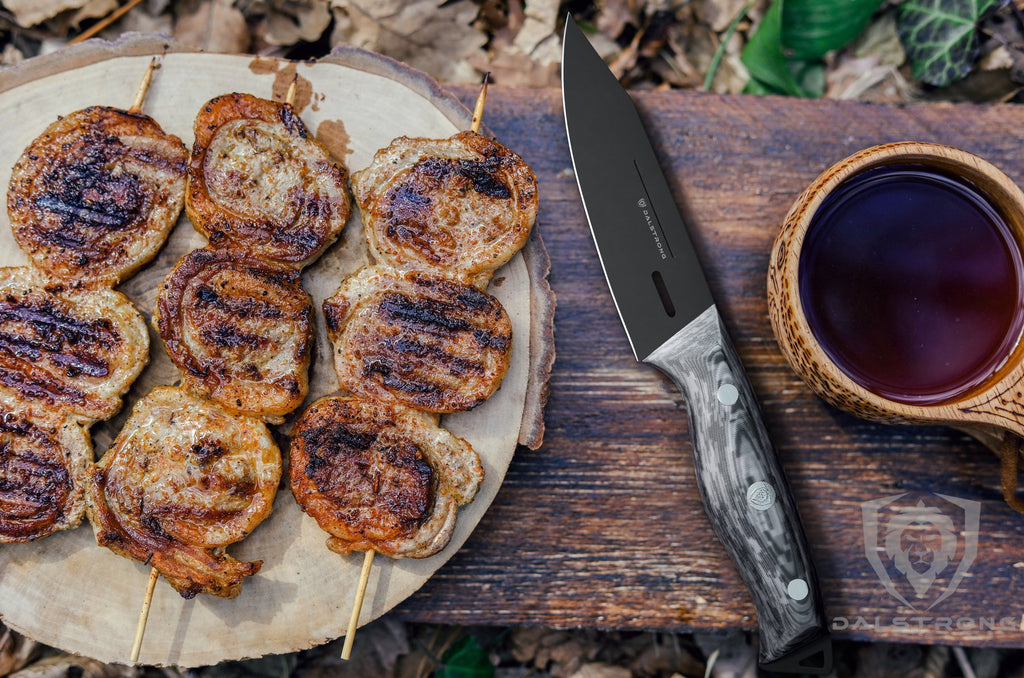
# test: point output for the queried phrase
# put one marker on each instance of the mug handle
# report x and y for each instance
(1009, 447)
(1009, 456)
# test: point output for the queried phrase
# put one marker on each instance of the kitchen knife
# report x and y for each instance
(671, 320)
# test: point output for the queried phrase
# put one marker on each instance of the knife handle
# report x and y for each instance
(746, 495)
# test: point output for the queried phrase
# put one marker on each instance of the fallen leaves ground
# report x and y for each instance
(649, 44)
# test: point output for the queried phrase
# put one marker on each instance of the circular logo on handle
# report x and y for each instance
(761, 496)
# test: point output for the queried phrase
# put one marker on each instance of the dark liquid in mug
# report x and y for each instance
(912, 283)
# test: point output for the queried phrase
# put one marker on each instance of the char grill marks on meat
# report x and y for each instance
(42, 465)
(94, 197)
(67, 352)
(195, 468)
(240, 329)
(183, 480)
(380, 477)
(416, 339)
(259, 178)
(461, 206)
(90, 201)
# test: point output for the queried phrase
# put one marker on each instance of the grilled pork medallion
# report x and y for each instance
(64, 351)
(42, 466)
(240, 329)
(382, 478)
(461, 206)
(183, 480)
(258, 177)
(417, 339)
(95, 195)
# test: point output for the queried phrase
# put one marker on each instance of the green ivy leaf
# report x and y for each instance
(765, 60)
(940, 37)
(812, 28)
(466, 659)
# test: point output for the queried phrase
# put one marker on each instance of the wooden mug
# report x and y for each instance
(992, 411)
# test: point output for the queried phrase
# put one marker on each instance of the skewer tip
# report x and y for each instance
(140, 94)
(478, 110)
(140, 629)
(289, 98)
(353, 621)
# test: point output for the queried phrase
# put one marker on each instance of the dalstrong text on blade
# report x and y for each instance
(648, 217)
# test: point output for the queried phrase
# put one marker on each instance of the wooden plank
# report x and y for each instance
(602, 526)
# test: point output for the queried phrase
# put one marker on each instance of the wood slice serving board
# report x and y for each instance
(66, 591)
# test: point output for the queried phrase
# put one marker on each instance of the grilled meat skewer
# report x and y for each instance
(65, 351)
(379, 477)
(240, 329)
(415, 339)
(42, 467)
(259, 178)
(95, 195)
(460, 207)
(183, 480)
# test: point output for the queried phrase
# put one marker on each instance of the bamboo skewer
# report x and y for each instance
(103, 23)
(478, 110)
(140, 628)
(353, 621)
(289, 98)
(364, 575)
(140, 94)
(154, 574)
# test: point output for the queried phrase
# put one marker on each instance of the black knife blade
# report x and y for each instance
(670, 316)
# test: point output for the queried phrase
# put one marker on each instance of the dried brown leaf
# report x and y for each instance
(512, 69)
(718, 14)
(140, 21)
(10, 57)
(881, 40)
(31, 12)
(431, 35)
(378, 646)
(15, 651)
(541, 18)
(292, 21)
(504, 36)
(93, 9)
(214, 27)
(63, 665)
(525, 641)
(600, 670)
(851, 77)
(664, 654)
(614, 15)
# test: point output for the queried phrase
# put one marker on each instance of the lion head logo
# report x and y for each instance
(920, 542)
(922, 537)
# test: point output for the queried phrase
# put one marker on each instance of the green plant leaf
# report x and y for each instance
(812, 28)
(940, 37)
(810, 75)
(765, 60)
(771, 72)
(466, 659)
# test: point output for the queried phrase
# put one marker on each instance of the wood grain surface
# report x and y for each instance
(602, 526)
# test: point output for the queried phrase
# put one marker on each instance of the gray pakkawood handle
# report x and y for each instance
(746, 495)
